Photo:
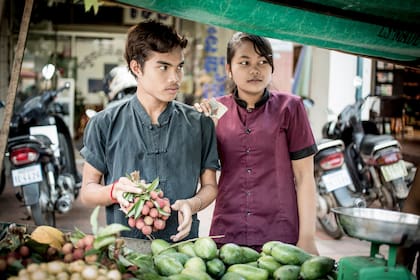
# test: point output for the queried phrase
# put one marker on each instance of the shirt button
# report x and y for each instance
(249, 110)
(248, 131)
(249, 170)
(151, 127)
(249, 213)
(248, 150)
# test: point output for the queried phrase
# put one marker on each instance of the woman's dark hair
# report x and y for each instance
(261, 46)
(150, 36)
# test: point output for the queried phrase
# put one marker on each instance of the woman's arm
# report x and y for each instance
(306, 200)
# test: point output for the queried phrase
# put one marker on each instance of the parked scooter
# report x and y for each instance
(41, 155)
(119, 86)
(375, 161)
(334, 185)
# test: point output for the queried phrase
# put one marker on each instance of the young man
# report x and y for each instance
(155, 135)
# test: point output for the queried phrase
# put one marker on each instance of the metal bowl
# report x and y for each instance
(378, 225)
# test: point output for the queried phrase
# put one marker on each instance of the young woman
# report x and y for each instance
(266, 147)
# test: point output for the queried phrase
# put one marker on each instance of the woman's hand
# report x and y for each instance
(184, 219)
(206, 108)
(308, 245)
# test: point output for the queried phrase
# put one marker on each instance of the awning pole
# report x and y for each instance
(14, 79)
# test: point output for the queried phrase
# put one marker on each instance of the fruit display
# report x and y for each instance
(149, 210)
(48, 253)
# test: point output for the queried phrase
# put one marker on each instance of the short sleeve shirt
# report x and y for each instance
(122, 139)
(256, 201)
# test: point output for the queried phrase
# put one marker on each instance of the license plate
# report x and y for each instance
(27, 175)
(394, 171)
(336, 179)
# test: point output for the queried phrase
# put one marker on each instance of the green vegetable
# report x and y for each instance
(216, 268)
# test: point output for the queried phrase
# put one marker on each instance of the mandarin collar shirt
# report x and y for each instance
(256, 200)
(122, 139)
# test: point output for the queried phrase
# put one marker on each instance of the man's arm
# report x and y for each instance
(188, 207)
(93, 193)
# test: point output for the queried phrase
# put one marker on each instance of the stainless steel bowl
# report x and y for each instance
(378, 225)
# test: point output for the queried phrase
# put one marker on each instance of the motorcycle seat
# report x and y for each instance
(370, 143)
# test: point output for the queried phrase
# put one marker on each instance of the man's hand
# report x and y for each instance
(184, 219)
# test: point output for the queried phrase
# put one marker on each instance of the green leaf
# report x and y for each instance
(103, 241)
(139, 208)
(111, 230)
(153, 185)
(76, 235)
(94, 220)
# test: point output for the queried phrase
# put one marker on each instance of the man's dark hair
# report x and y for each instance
(150, 36)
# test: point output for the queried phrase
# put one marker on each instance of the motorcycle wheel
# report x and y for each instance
(329, 221)
(41, 217)
(386, 199)
(67, 163)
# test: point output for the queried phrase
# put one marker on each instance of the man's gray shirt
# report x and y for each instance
(122, 139)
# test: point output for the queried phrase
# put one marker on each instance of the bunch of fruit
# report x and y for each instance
(149, 210)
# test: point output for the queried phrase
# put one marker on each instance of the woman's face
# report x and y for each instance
(251, 72)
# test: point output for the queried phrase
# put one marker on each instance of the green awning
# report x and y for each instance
(385, 29)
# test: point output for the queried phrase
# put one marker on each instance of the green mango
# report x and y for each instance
(249, 272)
(287, 272)
(289, 254)
(232, 276)
(231, 253)
(249, 254)
(161, 246)
(198, 275)
(215, 267)
(187, 248)
(266, 248)
(167, 266)
(205, 248)
(196, 263)
(316, 267)
(268, 263)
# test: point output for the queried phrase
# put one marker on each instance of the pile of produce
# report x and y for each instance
(48, 253)
(149, 210)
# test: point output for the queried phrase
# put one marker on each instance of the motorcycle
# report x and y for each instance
(119, 86)
(41, 155)
(334, 185)
(375, 161)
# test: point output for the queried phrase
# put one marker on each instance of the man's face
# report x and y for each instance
(161, 75)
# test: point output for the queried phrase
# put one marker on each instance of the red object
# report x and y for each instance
(112, 190)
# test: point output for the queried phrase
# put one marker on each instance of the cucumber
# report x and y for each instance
(289, 254)
(316, 267)
(249, 272)
(215, 268)
(205, 248)
(287, 272)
